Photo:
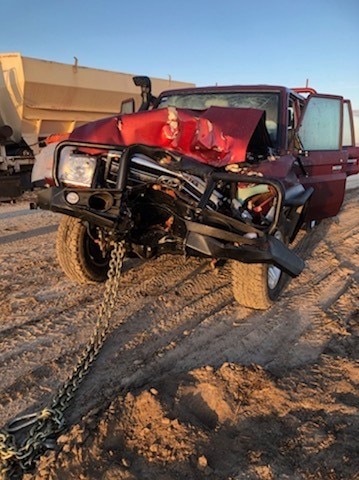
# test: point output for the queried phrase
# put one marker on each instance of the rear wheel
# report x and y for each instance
(78, 254)
(257, 285)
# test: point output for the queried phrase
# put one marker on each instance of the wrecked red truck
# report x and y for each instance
(229, 173)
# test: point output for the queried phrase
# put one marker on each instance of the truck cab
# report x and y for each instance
(315, 129)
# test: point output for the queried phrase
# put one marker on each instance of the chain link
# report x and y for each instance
(47, 423)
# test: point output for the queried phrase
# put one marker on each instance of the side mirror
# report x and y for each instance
(143, 82)
(128, 105)
(147, 98)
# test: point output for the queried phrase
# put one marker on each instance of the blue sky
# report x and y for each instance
(200, 41)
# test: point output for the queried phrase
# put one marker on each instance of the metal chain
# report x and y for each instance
(47, 423)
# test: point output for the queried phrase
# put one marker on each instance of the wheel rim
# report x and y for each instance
(93, 251)
(274, 273)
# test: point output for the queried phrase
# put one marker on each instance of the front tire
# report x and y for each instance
(258, 285)
(78, 254)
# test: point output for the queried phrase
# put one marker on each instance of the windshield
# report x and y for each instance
(267, 101)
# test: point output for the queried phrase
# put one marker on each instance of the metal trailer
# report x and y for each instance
(40, 98)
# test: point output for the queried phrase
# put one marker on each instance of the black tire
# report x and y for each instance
(79, 256)
(251, 286)
(258, 285)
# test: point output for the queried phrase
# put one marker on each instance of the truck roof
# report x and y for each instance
(232, 88)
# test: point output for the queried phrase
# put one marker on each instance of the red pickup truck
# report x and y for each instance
(229, 173)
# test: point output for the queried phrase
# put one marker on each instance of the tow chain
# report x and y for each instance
(47, 423)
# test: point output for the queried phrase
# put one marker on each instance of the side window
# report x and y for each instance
(291, 122)
(321, 124)
(291, 115)
(294, 109)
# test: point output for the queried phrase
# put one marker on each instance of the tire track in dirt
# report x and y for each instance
(143, 300)
(301, 316)
(37, 340)
(21, 236)
(17, 213)
(259, 340)
(155, 332)
(19, 224)
(172, 316)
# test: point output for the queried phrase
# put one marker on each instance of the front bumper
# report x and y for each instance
(54, 199)
(261, 250)
(202, 238)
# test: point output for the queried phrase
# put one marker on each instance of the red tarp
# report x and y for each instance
(218, 136)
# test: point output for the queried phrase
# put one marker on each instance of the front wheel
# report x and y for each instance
(258, 285)
(79, 256)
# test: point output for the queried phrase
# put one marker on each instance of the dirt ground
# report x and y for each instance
(189, 385)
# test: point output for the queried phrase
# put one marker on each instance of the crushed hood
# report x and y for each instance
(217, 136)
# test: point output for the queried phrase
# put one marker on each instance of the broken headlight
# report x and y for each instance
(76, 169)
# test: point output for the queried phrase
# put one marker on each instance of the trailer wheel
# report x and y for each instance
(79, 256)
(257, 285)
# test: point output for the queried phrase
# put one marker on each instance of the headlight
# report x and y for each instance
(76, 169)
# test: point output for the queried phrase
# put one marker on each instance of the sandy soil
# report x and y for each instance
(189, 385)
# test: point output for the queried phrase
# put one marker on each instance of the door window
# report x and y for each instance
(321, 125)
